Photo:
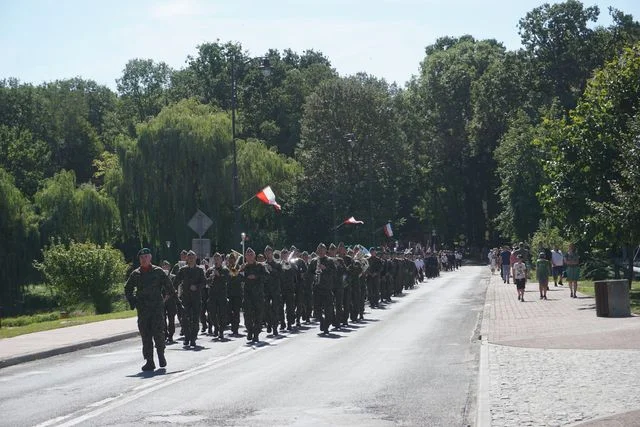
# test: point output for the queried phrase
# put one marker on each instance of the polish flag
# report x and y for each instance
(352, 220)
(387, 230)
(267, 196)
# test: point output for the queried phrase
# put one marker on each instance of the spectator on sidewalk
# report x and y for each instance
(572, 263)
(557, 262)
(505, 257)
(543, 270)
(520, 276)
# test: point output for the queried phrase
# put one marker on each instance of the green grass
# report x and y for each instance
(12, 331)
(586, 287)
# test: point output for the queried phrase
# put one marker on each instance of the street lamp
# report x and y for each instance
(265, 68)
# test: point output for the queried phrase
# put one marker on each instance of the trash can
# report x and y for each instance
(612, 298)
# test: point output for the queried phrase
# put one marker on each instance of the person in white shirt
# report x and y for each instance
(520, 276)
(557, 265)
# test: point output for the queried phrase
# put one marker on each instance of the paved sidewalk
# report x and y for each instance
(555, 362)
(38, 345)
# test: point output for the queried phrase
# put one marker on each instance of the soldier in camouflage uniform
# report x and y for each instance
(325, 271)
(191, 282)
(288, 283)
(338, 286)
(373, 274)
(144, 290)
(172, 274)
(255, 275)
(346, 284)
(234, 292)
(170, 307)
(217, 283)
(272, 292)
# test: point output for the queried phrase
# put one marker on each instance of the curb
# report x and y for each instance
(29, 357)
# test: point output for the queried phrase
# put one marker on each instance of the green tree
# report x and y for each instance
(83, 272)
(20, 239)
(143, 87)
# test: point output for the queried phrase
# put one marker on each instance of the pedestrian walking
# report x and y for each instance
(557, 265)
(144, 291)
(543, 270)
(520, 276)
(572, 266)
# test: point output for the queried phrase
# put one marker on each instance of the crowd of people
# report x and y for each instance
(276, 290)
(516, 263)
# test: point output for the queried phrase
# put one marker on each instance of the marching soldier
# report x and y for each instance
(338, 286)
(144, 290)
(255, 275)
(272, 292)
(192, 282)
(373, 273)
(217, 283)
(325, 271)
(288, 282)
(234, 292)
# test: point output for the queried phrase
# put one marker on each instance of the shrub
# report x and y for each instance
(83, 272)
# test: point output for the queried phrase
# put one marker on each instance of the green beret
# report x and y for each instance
(144, 251)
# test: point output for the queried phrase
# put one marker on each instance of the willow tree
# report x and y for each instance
(182, 162)
(76, 213)
(19, 237)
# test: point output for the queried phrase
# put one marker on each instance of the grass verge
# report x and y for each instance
(586, 287)
(12, 331)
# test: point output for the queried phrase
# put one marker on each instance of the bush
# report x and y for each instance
(83, 272)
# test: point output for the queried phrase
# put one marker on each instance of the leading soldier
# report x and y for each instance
(144, 290)
(325, 272)
(255, 275)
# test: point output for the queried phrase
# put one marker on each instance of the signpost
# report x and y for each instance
(200, 223)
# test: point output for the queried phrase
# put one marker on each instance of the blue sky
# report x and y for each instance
(44, 40)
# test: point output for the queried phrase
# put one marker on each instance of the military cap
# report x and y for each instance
(165, 262)
(284, 250)
(305, 253)
(144, 251)
(183, 252)
(293, 248)
(371, 249)
(191, 253)
(276, 254)
(249, 250)
(341, 244)
(217, 254)
(321, 245)
(268, 248)
(313, 255)
(332, 246)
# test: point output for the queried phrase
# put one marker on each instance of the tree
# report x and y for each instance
(20, 239)
(27, 158)
(76, 213)
(352, 153)
(143, 87)
(83, 272)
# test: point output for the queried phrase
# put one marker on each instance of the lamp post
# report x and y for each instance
(433, 240)
(265, 67)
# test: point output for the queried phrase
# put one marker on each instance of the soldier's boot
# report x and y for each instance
(269, 329)
(193, 343)
(161, 360)
(221, 333)
(289, 327)
(283, 326)
(149, 366)
(209, 331)
(186, 343)
(216, 332)
(249, 336)
(275, 332)
(255, 337)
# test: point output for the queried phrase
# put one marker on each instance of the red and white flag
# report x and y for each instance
(387, 230)
(352, 220)
(267, 196)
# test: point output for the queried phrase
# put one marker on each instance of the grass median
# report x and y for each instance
(586, 287)
(33, 325)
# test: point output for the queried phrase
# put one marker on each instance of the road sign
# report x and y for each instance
(200, 223)
(202, 247)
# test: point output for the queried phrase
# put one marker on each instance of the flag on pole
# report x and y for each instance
(267, 196)
(352, 220)
(387, 230)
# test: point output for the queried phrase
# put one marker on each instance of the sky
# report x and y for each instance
(45, 40)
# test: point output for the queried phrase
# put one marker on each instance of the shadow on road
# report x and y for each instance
(151, 374)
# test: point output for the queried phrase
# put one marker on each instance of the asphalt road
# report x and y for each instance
(414, 362)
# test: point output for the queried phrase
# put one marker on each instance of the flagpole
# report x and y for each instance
(338, 226)
(247, 201)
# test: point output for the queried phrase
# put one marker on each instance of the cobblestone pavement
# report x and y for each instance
(540, 387)
(554, 362)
